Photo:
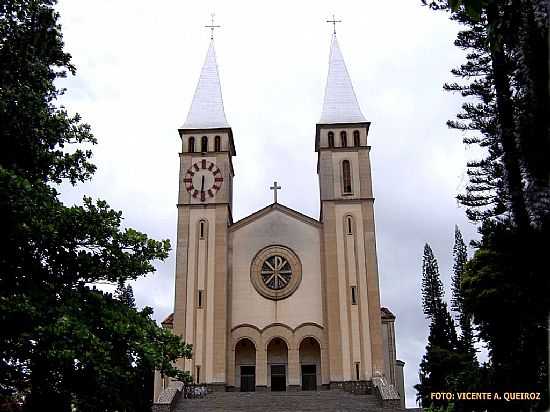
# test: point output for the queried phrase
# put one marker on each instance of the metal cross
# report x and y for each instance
(275, 188)
(212, 27)
(334, 21)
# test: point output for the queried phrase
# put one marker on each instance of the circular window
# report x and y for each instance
(276, 272)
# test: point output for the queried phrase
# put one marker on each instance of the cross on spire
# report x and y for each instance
(334, 21)
(275, 188)
(212, 26)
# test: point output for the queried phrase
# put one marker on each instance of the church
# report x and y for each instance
(280, 301)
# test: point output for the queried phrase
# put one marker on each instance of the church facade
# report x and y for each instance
(279, 300)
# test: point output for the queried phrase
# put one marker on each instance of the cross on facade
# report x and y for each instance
(275, 188)
(211, 26)
(334, 21)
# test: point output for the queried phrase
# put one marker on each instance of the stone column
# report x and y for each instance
(293, 369)
(261, 368)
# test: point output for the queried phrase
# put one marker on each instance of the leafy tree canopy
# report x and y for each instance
(64, 343)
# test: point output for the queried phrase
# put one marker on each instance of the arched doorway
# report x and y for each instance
(310, 364)
(245, 365)
(277, 364)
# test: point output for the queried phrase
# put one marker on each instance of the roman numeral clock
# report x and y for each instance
(203, 179)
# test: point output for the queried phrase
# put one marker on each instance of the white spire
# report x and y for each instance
(340, 104)
(206, 110)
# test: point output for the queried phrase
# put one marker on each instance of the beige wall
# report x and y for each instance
(305, 304)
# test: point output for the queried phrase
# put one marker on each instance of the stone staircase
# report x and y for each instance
(321, 401)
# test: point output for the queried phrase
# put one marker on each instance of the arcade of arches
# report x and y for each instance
(278, 358)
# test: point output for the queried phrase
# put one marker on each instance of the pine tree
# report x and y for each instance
(504, 81)
(432, 288)
(125, 294)
(460, 255)
(438, 368)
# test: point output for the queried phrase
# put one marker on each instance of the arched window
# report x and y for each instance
(346, 176)
(191, 144)
(202, 229)
(343, 139)
(204, 144)
(330, 139)
(217, 144)
(349, 225)
(356, 141)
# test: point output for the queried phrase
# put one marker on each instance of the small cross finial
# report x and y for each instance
(212, 26)
(334, 21)
(275, 188)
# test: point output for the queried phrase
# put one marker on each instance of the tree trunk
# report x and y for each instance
(505, 115)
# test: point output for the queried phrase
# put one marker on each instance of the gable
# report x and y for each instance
(293, 215)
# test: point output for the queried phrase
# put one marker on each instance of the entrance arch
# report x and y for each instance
(277, 364)
(245, 365)
(310, 364)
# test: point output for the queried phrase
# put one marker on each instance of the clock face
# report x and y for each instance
(203, 180)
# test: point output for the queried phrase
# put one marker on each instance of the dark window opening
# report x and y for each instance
(356, 141)
(191, 144)
(199, 299)
(354, 295)
(330, 139)
(346, 175)
(344, 139)
(202, 224)
(204, 144)
(357, 371)
(217, 144)
(198, 373)
(349, 225)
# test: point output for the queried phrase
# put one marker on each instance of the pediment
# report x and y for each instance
(274, 208)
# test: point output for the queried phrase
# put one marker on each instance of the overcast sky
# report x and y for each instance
(138, 63)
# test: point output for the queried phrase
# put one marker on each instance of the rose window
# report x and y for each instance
(276, 272)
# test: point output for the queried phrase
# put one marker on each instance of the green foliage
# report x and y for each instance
(464, 318)
(438, 365)
(506, 286)
(450, 363)
(125, 294)
(64, 344)
(432, 288)
(504, 82)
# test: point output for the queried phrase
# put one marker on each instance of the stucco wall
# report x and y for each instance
(305, 304)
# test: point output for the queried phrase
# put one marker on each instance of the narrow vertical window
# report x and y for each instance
(202, 229)
(354, 295)
(199, 299)
(349, 225)
(346, 176)
(204, 144)
(356, 141)
(217, 144)
(343, 139)
(330, 139)
(198, 373)
(356, 370)
(191, 144)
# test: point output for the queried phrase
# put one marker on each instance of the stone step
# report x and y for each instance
(322, 401)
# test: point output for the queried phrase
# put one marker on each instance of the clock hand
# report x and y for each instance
(202, 184)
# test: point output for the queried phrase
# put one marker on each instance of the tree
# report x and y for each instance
(505, 85)
(438, 366)
(460, 255)
(504, 288)
(125, 294)
(64, 344)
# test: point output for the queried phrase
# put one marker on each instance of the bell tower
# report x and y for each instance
(350, 273)
(205, 204)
